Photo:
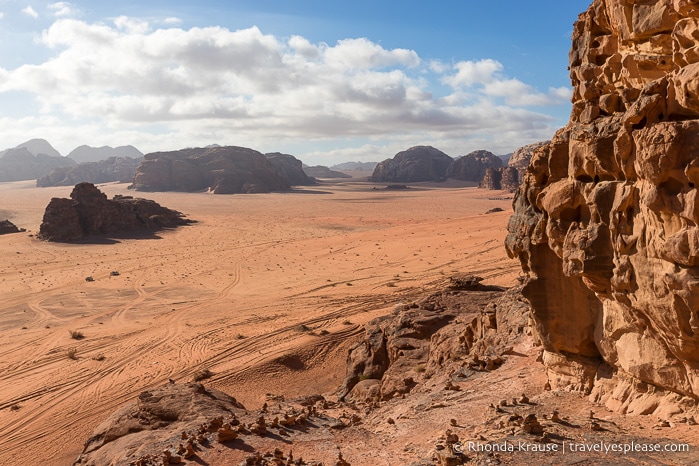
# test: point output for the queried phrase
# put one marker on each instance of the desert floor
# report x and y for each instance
(258, 277)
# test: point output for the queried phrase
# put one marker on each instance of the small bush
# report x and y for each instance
(419, 368)
(99, 357)
(391, 284)
(346, 322)
(76, 335)
(72, 353)
(202, 375)
(323, 332)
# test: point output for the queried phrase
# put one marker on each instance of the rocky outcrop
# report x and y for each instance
(401, 350)
(220, 170)
(472, 166)
(88, 212)
(419, 163)
(492, 179)
(521, 157)
(83, 154)
(605, 221)
(7, 227)
(289, 168)
(121, 169)
(31, 160)
(355, 166)
(505, 178)
(321, 171)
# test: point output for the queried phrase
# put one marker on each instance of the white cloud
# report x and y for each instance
(29, 11)
(172, 20)
(62, 9)
(2, 15)
(167, 88)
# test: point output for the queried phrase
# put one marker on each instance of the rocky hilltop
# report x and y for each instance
(605, 221)
(419, 163)
(472, 166)
(84, 153)
(31, 160)
(88, 212)
(221, 170)
(321, 171)
(289, 168)
(121, 169)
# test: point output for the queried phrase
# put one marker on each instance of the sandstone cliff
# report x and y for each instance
(221, 170)
(419, 163)
(605, 223)
(289, 168)
(472, 166)
(88, 212)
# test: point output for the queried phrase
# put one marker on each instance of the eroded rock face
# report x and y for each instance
(473, 166)
(419, 163)
(121, 169)
(7, 227)
(289, 168)
(321, 171)
(521, 157)
(221, 170)
(88, 212)
(605, 221)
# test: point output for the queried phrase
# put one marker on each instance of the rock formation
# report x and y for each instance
(88, 212)
(31, 160)
(509, 179)
(85, 153)
(289, 168)
(355, 166)
(472, 166)
(521, 157)
(321, 171)
(605, 223)
(121, 169)
(491, 179)
(221, 170)
(7, 227)
(419, 163)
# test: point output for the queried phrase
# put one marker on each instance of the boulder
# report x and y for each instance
(220, 170)
(88, 212)
(419, 163)
(605, 220)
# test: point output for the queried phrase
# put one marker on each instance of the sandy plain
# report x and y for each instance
(258, 277)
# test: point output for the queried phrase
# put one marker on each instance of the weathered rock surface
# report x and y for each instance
(88, 212)
(605, 221)
(505, 178)
(491, 179)
(121, 169)
(7, 227)
(321, 171)
(462, 321)
(521, 157)
(289, 168)
(83, 154)
(419, 163)
(221, 170)
(31, 160)
(472, 166)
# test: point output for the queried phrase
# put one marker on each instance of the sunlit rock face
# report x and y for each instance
(605, 221)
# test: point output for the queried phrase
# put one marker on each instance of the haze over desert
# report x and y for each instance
(257, 277)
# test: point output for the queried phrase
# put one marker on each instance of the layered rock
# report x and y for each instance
(419, 163)
(121, 169)
(31, 160)
(472, 166)
(321, 171)
(605, 221)
(220, 170)
(88, 212)
(289, 168)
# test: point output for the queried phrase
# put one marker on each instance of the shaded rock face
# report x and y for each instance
(121, 169)
(221, 170)
(159, 415)
(289, 168)
(321, 171)
(505, 178)
(492, 179)
(472, 166)
(521, 157)
(7, 227)
(605, 220)
(401, 350)
(419, 163)
(89, 212)
(21, 164)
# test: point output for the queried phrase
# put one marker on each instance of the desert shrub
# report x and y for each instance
(202, 375)
(72, 353)
(76, 335)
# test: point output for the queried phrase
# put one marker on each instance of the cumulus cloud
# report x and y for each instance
(29, 11)
(62, 9)
(174, 87)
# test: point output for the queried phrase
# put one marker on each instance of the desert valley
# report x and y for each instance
(217, 305)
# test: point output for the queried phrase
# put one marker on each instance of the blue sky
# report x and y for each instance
(326, 81)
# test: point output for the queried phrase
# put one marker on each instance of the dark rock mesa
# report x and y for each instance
(88, 213)
(121, 169)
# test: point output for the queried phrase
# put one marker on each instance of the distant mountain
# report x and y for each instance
(31, 160)
(505, 158)
(321, 171)
(355, 166)
(120, 169)
(419, 163)
(95, 154)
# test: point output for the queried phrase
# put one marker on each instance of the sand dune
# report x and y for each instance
(259, 277)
